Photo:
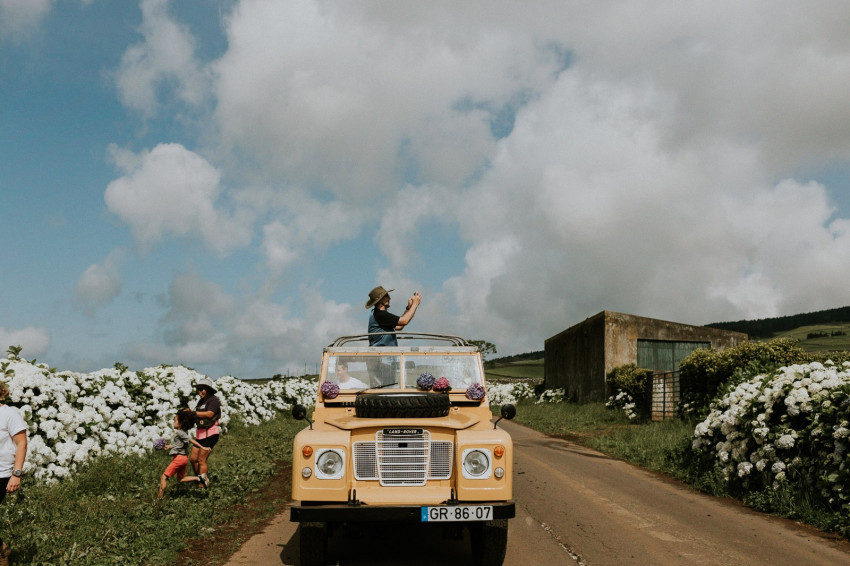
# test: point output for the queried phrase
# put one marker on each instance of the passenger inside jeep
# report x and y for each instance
(343, 378)
(364, 372)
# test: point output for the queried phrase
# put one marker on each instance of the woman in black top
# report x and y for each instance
(207, 413)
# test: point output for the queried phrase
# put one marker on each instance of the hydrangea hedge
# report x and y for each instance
(787, 429)
(74, 417)
(704, 372)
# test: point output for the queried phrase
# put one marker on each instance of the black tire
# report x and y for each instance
(313, 544)
(401, 405)
(489, 542)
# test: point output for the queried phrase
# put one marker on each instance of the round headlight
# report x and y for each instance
(476, 463)
(329, 464)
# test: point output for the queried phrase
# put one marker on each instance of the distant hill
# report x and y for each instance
(538, 355)
(769, 327)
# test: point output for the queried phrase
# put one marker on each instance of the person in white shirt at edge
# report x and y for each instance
(13, 452)
(381, 320)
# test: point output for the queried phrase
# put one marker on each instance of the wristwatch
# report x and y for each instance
(17, 473)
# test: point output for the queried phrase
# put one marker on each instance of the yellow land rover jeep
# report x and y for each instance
(403, 434)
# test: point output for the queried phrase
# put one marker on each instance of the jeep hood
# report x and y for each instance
(457, 421)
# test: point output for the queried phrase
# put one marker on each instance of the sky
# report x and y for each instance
(220, 184)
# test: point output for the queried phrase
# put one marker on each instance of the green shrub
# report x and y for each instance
(630, 388)
(704, 372)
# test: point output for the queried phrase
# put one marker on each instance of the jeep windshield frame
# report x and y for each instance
(399, 367)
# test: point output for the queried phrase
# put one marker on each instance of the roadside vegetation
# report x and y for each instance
(774, 438)
(765, 422)
(108, 513)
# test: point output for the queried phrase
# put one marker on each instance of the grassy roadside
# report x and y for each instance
(593, 425)
(109, 514)
(663, 447)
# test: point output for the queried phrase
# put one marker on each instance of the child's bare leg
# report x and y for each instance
(163, 483)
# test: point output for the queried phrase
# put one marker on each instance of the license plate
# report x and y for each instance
(457, 513)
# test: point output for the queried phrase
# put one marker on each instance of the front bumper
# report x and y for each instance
(343, 513)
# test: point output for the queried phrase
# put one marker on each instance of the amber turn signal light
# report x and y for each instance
(499, 451)
(307, 451)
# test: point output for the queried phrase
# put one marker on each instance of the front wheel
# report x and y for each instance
(314, 544)
(489, 542)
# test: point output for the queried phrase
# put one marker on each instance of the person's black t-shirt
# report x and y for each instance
(386, 320)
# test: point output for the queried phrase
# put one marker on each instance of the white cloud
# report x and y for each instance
(642, 157)
(194, 329)
(642, 173)
(174, 191)
(165, 58)
(302, 223)
(253, 336)
(100, 283)
(351, 100)
(602, 215)
(34, 341)
(19, 18)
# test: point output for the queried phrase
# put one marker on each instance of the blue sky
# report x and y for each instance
(220, 184)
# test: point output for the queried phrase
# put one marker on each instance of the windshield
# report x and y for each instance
(401, 371)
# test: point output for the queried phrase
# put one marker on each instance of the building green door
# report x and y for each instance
(665, 355)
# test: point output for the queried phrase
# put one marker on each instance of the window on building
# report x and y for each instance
(665, 355)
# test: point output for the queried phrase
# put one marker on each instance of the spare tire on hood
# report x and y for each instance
(413, 404)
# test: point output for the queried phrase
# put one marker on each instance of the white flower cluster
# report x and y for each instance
(794, 421)
(503, 393)
(74, 417)
(624, 401)
(551, 396)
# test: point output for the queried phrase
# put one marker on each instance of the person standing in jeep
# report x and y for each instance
(382, 320)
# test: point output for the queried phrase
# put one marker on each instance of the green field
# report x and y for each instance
(526, 369)
(826, 343)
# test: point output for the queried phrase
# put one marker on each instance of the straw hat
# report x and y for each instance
(206, 382)
(376, 295)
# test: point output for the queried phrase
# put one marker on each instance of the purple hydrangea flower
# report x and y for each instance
(159, 444)
(442, 384)
(425, 382)
(330, 390)
(475, 392)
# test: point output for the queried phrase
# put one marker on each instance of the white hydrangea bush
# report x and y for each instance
(624, 402)
(504, 393)
(74, 417)
(793, 425)
(552, 396)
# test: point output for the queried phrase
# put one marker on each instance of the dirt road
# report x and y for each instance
(577, 506)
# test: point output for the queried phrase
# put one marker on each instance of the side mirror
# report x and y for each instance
(299, 413)
(508, 412)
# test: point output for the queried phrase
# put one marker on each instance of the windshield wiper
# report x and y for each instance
(377, 387)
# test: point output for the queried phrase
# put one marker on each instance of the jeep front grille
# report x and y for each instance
(403, 459)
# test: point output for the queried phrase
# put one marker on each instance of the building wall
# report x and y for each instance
(575, 358)
(579, 358)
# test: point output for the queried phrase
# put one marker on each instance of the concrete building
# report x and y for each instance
(579, 358)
